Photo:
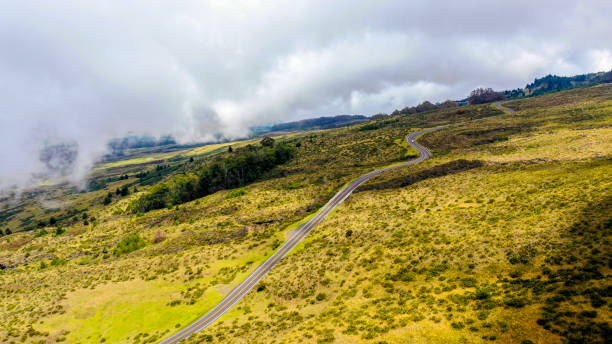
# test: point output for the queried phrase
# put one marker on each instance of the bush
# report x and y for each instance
(468, 282)
(482, 294)
(40, 233)
(515, 302)
(236, 193)
(129, 244)
(58, 261)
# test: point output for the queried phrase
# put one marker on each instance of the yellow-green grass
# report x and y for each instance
(528, 195)
(529, 191)
(135, 161)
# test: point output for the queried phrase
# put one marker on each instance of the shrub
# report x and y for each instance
(482, 294)
(515, 302)
(129, 244)
(468, 282)
(236, 193)
(40, 233)
(457, 325)
(58, 261)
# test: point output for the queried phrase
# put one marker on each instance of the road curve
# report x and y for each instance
(500, 106)
(254, 277)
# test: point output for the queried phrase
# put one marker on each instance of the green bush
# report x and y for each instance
(129, 244)
(482, 294)
(236, 193)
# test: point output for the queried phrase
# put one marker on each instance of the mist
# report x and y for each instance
(77, 74)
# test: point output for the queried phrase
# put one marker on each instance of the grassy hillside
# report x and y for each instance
(504, 235)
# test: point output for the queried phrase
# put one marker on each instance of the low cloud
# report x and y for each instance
(80, 73)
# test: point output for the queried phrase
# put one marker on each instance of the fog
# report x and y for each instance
(79, 73)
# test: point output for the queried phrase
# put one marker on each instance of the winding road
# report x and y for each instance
(500, 106)
(245, 286)
(254, 277)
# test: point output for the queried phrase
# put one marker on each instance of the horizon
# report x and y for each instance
(202, 72)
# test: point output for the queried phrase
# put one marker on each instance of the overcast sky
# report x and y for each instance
(86, 71)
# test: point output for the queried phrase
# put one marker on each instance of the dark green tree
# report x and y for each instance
(267, 142)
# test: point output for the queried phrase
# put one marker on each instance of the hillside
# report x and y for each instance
(504, 235)
(313, 123)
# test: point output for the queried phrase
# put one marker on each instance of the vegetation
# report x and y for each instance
(319, 123)
(551, 83)
(484, 95)
(502, 237)
(129, 244)
(423, 107)
(235, 169)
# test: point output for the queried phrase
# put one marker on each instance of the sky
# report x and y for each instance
(82, 72)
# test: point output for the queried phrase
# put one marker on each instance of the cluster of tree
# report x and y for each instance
(319, 123)
(551, 83)
(124, 191)
(516, 93)
(119, 145)
(52, 221)
(5, 232)
(484, 95)
(424, 106)
(231, 170)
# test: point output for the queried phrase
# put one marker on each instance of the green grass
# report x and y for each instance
(480, 255)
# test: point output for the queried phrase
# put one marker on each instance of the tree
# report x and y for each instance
(52, 221)
(229, 149)
(8, 231)
(108, 199)
(267, 142)
(124, 191)
(484, 95)
(448, 104)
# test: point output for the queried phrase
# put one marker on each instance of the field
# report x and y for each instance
(503, 236)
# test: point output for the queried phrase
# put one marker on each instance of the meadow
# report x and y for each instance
(503, 236)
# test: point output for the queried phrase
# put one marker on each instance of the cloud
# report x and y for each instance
(84, 72)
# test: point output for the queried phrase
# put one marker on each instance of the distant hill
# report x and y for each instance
(319, 123)
(556, 83)
(553, 83)
(118, 145)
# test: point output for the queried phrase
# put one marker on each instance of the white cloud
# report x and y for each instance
(88, 71)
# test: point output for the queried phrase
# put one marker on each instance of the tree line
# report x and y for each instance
(234, 169)
(424, 106)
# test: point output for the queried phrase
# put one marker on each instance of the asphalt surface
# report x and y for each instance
(245, 286)
(502, 107)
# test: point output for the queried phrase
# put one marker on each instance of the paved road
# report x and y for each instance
(245, 286)
(500, 106)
